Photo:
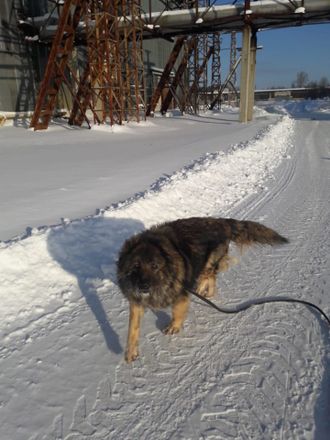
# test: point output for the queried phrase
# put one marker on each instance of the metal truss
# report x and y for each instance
(111, 87)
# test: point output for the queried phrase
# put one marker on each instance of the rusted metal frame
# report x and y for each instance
(201, 79)
(125, 60)
(82, 92)
(137, 61)
(94, 62)
(59, 68)
(232, 62)
(121, 60)
(179, 73)
(200, 71)
(190, 47)
(107, 74)
(166, 74)
(140, 70)
(82, 106)
(233, 53)
(181, 81)
(52, 81)
(133, 78)
(180, 100)
(101, 37)
(224, 84)
(192, 73)
(117, 76)
(106, 78)
(126, 71)
(126, 55)
(97, 88)
(96, 65)
(84, 95)
(66, 81)
(187, 104)
(110, 72)
(216, 64)
(100, 80)
(234, 89)
(49, 72)
(194, 63)
(113, 75)
(132, 58)
(142, 78)
(95, 58)
(76, 101)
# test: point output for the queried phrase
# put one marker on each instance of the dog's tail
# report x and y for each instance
(247, 232)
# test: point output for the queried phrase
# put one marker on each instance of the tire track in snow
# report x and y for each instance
(177, 378)
(267, 378)
(292, 343)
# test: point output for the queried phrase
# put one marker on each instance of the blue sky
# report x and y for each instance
(287, 51)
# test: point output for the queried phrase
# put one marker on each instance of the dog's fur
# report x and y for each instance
(155, 266)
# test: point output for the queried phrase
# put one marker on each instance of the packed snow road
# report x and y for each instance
(262, 374)
(68, 173)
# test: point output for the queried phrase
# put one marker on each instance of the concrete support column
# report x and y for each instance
(248, 69)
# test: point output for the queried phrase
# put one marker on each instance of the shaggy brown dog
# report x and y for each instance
(156, 266)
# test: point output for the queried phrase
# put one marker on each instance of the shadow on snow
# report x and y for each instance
(88, 249)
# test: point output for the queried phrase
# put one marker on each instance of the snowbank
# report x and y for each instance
(39, 274)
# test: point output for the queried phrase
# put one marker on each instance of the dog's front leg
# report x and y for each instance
(135, 314)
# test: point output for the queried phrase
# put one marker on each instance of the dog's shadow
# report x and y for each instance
(88, 249)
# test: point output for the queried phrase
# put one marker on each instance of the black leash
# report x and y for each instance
(257, 301)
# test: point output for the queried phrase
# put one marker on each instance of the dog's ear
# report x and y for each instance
(123, 258)
(129, 246)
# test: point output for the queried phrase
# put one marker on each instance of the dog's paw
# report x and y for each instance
(171, 329)
(209, 294)
(131, 355)
(203, 292)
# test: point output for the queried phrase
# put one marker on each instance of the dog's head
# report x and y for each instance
(146, 272)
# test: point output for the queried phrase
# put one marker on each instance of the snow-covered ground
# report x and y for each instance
(68, 173)
(262, 374)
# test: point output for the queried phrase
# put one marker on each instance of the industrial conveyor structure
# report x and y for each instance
(111, 86)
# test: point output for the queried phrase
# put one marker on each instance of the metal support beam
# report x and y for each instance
(252, 75)
(228, 80)
(57, 65)
(199, 72)
(247, 74)
(165, 75)
(191, 45)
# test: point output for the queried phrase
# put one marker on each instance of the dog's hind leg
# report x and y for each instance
(206, 283)
(135, 314)
(179, 313)
(218, 261)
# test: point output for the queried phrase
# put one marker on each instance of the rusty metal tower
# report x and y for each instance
(111, 87)
(232, 96)
(193, 71)
(216, 66)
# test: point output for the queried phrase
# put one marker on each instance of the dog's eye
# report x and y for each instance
(154, 266)
(134, 267)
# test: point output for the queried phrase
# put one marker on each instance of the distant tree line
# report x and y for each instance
(302, 80)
